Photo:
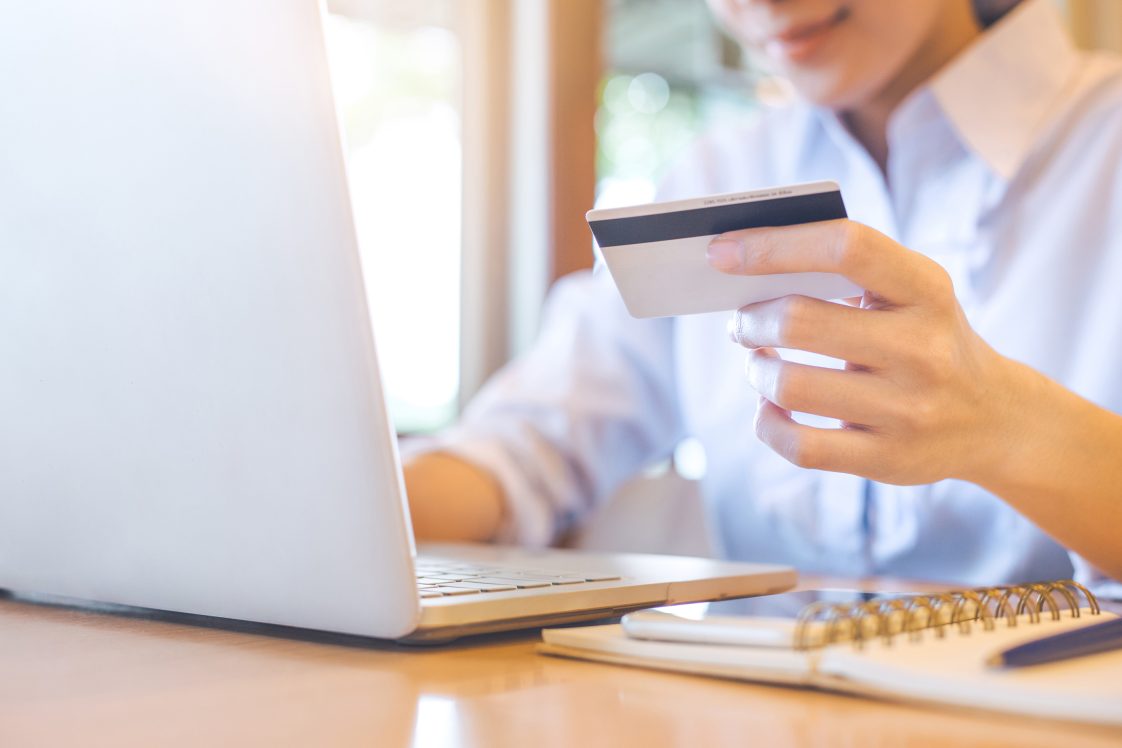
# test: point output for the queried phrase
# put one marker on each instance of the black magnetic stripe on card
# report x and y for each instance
(717, 219)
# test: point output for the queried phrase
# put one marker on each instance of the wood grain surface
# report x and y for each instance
(73, 676)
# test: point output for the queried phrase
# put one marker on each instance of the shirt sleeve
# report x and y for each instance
(589, 405)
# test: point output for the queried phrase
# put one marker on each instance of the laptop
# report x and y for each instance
(191, 413)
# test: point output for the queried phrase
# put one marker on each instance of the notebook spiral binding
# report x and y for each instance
(821, 624)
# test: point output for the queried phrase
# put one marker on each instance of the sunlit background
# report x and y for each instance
(670, 71)
(397, 69)
(397, 88)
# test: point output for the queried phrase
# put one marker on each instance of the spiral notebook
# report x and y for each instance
(928, 648)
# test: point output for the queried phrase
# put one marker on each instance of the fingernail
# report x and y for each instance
(759, 411)
(733, 329)
(725, 254)
(752, 373)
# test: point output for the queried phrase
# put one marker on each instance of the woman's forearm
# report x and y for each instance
(1062, 467)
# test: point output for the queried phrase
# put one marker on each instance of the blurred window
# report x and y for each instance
(396, 70)
(670, 72)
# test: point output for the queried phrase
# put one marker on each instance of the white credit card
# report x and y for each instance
(656, 252)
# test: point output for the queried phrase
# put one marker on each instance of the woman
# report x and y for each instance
(979, 435)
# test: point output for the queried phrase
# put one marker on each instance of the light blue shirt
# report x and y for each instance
(1006, 168)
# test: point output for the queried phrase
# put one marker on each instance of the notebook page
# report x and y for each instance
(610, 643)
(952, 670)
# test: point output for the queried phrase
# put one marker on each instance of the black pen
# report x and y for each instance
(1099, 637)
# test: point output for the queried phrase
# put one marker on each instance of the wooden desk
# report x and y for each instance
(74, 677)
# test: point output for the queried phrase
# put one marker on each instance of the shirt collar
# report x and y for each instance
(1001, 93)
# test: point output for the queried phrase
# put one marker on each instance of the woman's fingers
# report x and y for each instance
(838, 450)
(855, 397)
(865, 337)
(865, 256)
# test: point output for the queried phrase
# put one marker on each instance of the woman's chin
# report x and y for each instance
(832, 88)
(823, 89)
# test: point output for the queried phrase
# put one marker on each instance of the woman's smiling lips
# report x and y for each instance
(799, 42)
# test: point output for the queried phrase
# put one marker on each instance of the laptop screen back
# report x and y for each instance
(190, 410)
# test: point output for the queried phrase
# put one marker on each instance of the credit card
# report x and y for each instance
(656, 252)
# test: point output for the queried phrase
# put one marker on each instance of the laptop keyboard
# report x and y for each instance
(443, 578)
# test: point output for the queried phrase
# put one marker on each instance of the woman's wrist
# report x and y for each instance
(1045, 441)
(1056, 461)
(1013, 434)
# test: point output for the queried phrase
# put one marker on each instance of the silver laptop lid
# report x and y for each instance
(190, 410)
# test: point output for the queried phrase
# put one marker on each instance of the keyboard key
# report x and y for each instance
(522, 584)
(453, 590)
(449, 577)
(483, 587)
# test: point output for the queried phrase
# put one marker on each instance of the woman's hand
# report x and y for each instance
(922, 396)
(452, 500)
